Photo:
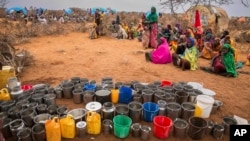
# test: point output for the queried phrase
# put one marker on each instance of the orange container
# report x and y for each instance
(53, 130)
(114, 95)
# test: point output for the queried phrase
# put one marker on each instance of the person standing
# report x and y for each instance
(152, 21)
(97, 21)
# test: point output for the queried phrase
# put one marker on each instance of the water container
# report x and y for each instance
(4, 94)
(122, 126)
(68, 127)
(205, 103)
(81, 129)
(16, 92)
(162, 127)
(125, 94)
(93, 123)
(53, 131)
(114, 95)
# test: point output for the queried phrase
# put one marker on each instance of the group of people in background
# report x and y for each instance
(183, 47)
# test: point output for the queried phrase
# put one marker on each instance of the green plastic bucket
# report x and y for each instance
(122, 126)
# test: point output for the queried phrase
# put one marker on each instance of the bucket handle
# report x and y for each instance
(4, 91)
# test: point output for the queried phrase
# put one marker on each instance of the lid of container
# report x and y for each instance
(195, 85)
(102, 92)
(207, 92)
(93, 106)
(81, 124)
(205, 99)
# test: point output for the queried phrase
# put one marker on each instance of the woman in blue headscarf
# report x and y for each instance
(190, 57)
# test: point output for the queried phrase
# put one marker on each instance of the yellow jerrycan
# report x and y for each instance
(93, 123)
(68, 127)
(4, 94)
(53, 130)
(198, 111)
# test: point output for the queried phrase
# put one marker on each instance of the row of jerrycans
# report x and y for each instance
(66, 127)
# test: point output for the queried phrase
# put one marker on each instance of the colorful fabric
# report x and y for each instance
(153, 36)
(152, 17)
(191, 54)
(228, 60)
(162, 54)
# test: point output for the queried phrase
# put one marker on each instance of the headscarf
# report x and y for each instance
(190, 40)
(225, 33)
(152, 17)
(228, 60)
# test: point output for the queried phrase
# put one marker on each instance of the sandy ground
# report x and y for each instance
(61, 57)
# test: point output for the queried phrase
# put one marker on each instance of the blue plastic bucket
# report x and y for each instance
(91, 87)
(150, 110)
(125, 94)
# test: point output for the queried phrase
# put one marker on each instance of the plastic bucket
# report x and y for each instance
(197, 128)
(150, 110)
(166, 83)
(91, 87)
(26, 87)
(122, 125)
(162, 127)
(125, 94)
(205, 103)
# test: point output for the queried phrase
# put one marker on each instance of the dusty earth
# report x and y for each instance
(61, 57)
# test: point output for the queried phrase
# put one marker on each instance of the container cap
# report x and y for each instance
(205, 99)
(81, 124)
(207, 92)
(93, 106)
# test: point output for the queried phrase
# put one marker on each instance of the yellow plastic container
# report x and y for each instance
(5, 74)
(53, 130)
(198, 111)
(4, 94)
(114, 95)
(68, 127)
(93, 123)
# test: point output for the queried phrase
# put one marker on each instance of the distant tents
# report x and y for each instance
(17, 10)
(68, 11)
(105, 10)
(40, 11)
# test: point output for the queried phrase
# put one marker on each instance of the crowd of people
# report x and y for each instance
(183, 47)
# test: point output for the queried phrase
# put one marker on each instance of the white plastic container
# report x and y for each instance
(205, 103)
(208, 92)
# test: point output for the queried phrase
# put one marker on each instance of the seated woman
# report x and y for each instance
(160, 55)
(207, 51)
(226, 38)
(190, 57)
(248, 60)
(181, 45)
(223, 63)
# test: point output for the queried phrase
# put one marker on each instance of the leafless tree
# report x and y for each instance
(3, 3)
(174, 5)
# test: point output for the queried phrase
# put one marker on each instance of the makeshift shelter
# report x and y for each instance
(68, 11)
(40, 11)
(210, 16)
(17, 10)
(99, 8)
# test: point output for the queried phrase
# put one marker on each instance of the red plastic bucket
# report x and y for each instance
(166, 83)
(162, 126)
(26, 87)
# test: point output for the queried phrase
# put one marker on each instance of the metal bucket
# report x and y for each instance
(14, 112)
(102, 96)
(197, 128)
(210, 127)
(41, 118)
(23, 103)
(6, 105)
(218, 131)
(77, 96)
(49, 99)
(158, 95)
(25, 97)
(167, 89)
(180, 128)
(108, 110)
(67, 89)
(187, 88)
(81, 129)
(187, 110)
(6, 128)
(162, 107)
(147, 95)
(226, 122)
(24, 135)
(62, 110)
(37, 98)
(173, 110)
(137, 98)
(4, 115)
(135, 111)
(215, 107)
(88, 96)
(118, 85)
(78, 114)
(168, 97)
(121, 109)
(52, 109)
(75, 80)
(38, 132)
(27, 116)
(177, 87)
(32, 105)
(145, 132)
(59, 92)
(16, 126)
(107, 126)
(181, 96)
(42, 108)
(135, 129)
(192, 97)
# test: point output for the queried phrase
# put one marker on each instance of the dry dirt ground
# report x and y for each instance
(61, 57)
